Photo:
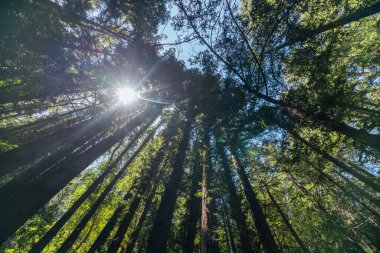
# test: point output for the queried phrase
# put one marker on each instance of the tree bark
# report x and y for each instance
(317, 205)
(194, 205)
(287, 222)
(227, 228)
(371, 140)
(18, 207)
(209, 236)
(66, 245)
(303, 35)
(159, 234)
(32, 173)
(236, 211)
(111, 223)
(133, 238)
(171, 130)
(265, 234)
(27, 153)
(358, 189)
(350, 185)
(136, 199)
(39, 123)
(370, 182)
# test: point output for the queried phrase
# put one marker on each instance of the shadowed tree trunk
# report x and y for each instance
(30, 174)
(317, 205)
(194, 205)
(350, 185)
(136, 199)
(347, 240)
(236, 211)
(372, 182)
(133, 238)
(359, 190)
(350, 194)
(52, 120)
(41, 244)
(66, 245)
(209, 236)
(27, 176)
(372, 140)
(103, 236)
(265, 234)
(111, 223)
(287, 222)
(160, 232)
(171, 131)
(303, 35)
(71, 136)
(18, 207)
(227, 228)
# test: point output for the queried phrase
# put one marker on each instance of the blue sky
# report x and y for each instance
(184, 51)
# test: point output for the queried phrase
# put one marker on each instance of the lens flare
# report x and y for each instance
(126, 95)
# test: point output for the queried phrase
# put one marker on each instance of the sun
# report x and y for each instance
(126, 95)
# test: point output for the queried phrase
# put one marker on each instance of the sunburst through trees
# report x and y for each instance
(267, 141)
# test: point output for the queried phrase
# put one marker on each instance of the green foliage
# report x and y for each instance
(285, 87)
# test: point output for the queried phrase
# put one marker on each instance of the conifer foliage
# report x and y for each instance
(267, 141)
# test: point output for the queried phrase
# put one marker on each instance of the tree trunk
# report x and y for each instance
(30, 174)
(171, 130)
(370, 182)
(287, 222)
(111, 223)
(209, 236)
(37, 124)
(303, 35)
(18, 207)
(194, 205)
(160, 232)
(236, 211)
(103, 236)
(134, 204)
(26, 176)
(265, 234)
(359, 190)
(133, 238)
(73, 136)
(350, 185)
(227, 228)
(317, 205)
(372, 140)
(27, 153)
(66, 245)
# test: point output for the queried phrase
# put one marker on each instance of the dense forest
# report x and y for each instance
(265, 139)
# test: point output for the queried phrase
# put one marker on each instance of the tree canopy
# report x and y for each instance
(266, 140)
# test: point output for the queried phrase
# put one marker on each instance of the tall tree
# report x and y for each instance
(111, 140)
(236, 210)
(287, 222)
(194, 203)
(161, 227)
(60, 223)
(209, 235)
(265, 234)
(145, 185)
(18, 211)
(136, 231)
(302, 35)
